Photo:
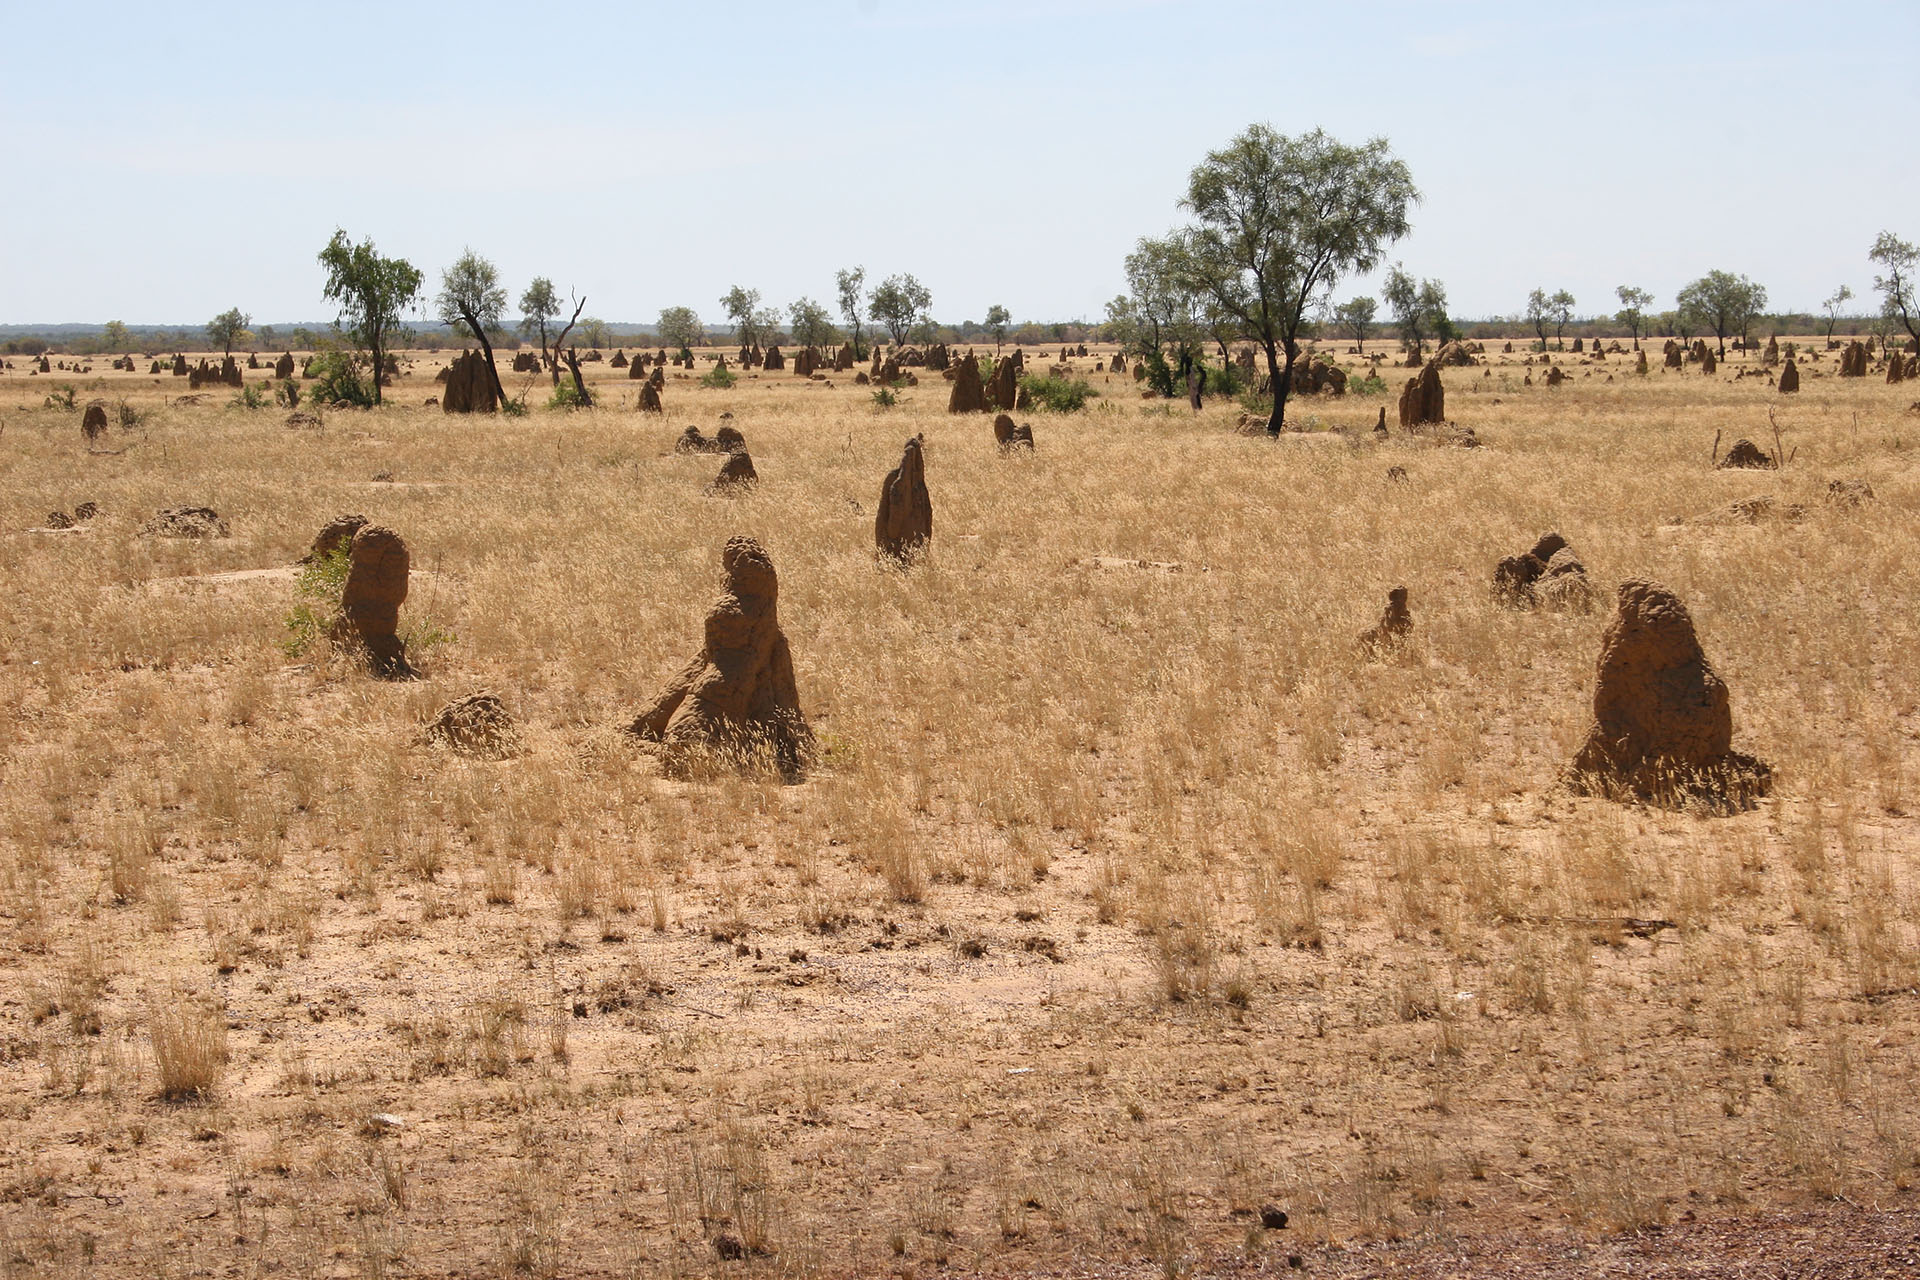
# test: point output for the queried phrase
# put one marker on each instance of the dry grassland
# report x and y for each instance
(1121, 904)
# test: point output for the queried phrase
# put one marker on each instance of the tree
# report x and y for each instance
(1722, 302)
(998, 318)
(594, 330)
(1355, 315)
(849, 283)
(115, 337)
(1418, 307)
(471, 303)
(1160, 297)
(1123, 323)
(1840, 298)
(1898, 300)
(681, 328)
(1633, 306)
(229, 329)
(749, 321)
(1539, 311)
(1279, 220)
(268, 337)
(539, 307)
(896, 303)
(812, 325)
(372, 291)
(1561, 305)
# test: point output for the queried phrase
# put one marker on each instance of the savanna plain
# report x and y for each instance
(1127, 904)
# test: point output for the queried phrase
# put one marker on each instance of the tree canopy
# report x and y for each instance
(1634, 302)
(849, 282)
(473, 304)
(228, 329)
(998, 318)
(897, 302)
(1277, 222)
(373, 292)
(1355, 315)
(1722, 302)
(680, 327)
(811, 324)
(1898, 261)
(1419, 306)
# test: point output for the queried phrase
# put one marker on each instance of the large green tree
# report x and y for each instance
(228, 329)
(472, 303)
(743, 308)
(897, 302)
(1560, 306)
(1162, 298)
(1722, 302)
(811, 324)
(849, 283)
(373, 292)
(1419, 307)
(998, 318)
(1633, 309)
(680, 327)
(1539, 312)
(539, 308)
(1277, 222)
(1355, 315)
(1899, 300)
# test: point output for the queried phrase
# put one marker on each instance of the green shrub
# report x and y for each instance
(883, 398)
(719, 378)
(1058, 395)
(317, 591)
(337, 380)
(1159, 374)
(565, 396)
(1370, 385)
(252, 395)
(62, 397)
(1224, 380)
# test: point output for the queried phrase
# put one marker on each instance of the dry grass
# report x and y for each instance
(1120, 902)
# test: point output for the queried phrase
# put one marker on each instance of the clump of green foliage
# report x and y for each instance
(317, 591)
(252, 395)
(337, 380)
(62, 397)
(719, 378)
(883, 398)
(1370, 385)
(1058, 395)
(1224, 380)
(317, 594)
(565, 396)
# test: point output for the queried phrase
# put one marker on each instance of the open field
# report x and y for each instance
(1122, 902)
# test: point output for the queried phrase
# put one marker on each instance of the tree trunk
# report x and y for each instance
(579, 384)
(1281, 381)
(480, 335)
(379, 363)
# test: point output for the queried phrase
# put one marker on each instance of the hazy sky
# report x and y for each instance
(167, 162)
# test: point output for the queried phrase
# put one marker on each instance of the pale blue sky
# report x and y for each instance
(168, 162)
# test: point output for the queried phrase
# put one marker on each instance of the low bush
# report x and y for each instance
(1058, 395)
